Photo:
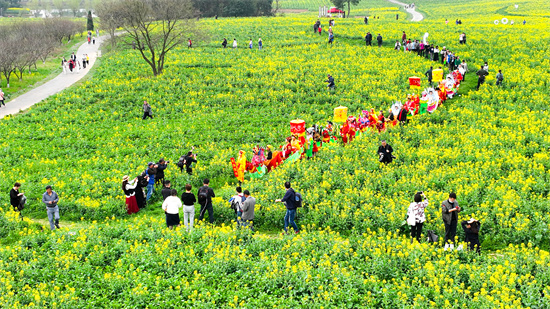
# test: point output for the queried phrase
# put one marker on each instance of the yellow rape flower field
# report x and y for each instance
(491, 147)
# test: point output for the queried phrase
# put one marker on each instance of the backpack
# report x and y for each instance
(235, 204)
(432, 236)
(297, 199)
(203, 194)
(22, 202)
(180, 162)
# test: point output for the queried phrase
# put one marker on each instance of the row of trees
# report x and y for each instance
(73, 7)
(234, 8)
(24, 43)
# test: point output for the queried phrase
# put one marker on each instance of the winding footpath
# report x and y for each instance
(417, 16)
(55, 85)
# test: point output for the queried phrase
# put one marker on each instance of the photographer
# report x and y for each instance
(189, 159)
(151, 173)
(471, 229)
(416, 216)
(161, 166)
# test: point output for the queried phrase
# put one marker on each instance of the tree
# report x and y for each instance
(110, 18)
(74, 6)
(341, 3)
(90, 24)
(156, 26)
(59, 5)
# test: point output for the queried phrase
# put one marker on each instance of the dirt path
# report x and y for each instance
(416, 15)
(59, 83)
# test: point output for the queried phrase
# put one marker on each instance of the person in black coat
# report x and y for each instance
(402, 116)
(189, 159)
(379, 39)
(15, 196)
(166, 190)
(162, 165)
(471, 229)
(368, 39)
(142, 181)
(385, 152)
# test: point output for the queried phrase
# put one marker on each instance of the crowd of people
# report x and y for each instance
(416, 217)
(140, 190)
(75, 64)
(236, 44)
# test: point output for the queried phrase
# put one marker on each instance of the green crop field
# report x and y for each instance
(490, 146)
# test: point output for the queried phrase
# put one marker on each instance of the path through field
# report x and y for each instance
(55, 85)
(416, 15)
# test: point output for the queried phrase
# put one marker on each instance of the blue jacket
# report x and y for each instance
(289, 199)
(151, 177)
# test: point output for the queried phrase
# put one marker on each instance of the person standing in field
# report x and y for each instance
(379, 39)
(247, 217)
(234, 43)
(161, 166)
(416, 216)
(130, 193)
(147, 111)
(50, 198)
(237, 204)
(404, 38)
(171, 207)
(17, 199)
(499, 78)
(142, 181)
(205, 195)
(290, 200)
(481, 76)
(385, 153)
(151, 172)
(189, 201)
(189, 43)
(188, 160)
(449, 213)
(368, 39)
(224, 43)
(429, 75)
(166, 190)
(250, 44)
(260, 44)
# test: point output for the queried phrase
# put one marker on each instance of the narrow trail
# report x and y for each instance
(417, 16)
(59, 83)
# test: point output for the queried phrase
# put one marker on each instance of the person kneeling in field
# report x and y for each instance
(471, 229)
(330, 81)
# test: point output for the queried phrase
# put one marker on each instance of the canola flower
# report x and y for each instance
(489, 146)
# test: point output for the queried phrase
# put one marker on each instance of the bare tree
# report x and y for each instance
(22, 44)
(156, 26)
(74, 6)
(8, 56)
(111, 19)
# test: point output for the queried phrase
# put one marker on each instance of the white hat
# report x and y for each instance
(472, 220)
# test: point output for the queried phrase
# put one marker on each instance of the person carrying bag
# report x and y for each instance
(416, 216)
